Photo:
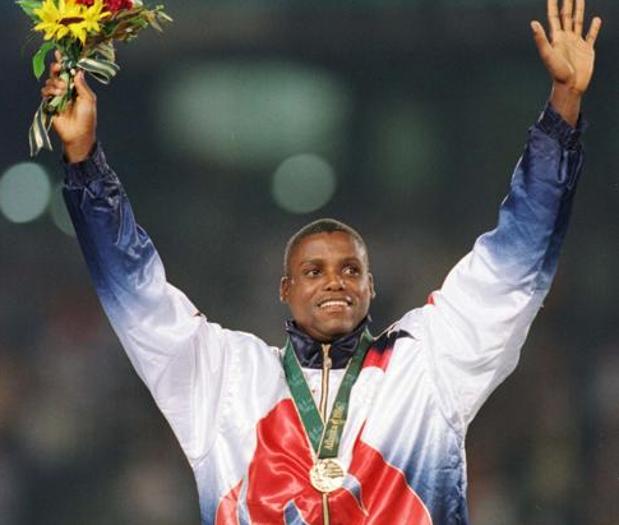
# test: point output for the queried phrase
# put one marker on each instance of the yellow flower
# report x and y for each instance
(93, 15)
(61, 18)
(51, 14)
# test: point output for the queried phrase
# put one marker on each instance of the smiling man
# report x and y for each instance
(327, 283)
(338, 426)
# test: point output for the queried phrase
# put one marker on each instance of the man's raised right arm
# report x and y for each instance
(174, 351)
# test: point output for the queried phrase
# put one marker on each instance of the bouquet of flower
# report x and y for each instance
(84, 31)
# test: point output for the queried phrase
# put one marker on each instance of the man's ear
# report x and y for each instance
(284, 284)
(372, 289)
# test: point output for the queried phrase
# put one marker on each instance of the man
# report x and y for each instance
(338, 427)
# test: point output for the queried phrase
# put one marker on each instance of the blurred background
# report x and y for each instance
(244, 121)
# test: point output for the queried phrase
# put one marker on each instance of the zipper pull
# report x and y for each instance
(326, 360)
(324, 389)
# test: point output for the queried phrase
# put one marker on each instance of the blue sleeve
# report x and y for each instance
(534, 217)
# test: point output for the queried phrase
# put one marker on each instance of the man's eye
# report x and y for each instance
(312, 272)
(351, 270)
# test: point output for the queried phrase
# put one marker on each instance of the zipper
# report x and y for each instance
(324, 391)
(324, 396)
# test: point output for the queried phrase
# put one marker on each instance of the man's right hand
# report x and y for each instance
(76, 125)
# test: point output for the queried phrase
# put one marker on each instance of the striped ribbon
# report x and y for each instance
(101, 66)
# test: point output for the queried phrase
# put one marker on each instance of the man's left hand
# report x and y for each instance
(568, 56)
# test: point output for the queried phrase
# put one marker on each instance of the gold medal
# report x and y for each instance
(327, 475)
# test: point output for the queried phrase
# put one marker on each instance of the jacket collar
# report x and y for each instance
(308, 350)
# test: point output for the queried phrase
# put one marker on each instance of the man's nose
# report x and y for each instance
(335, 281)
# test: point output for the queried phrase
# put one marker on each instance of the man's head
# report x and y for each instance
(327, 283)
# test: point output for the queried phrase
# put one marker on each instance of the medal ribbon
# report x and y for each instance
(325, 440)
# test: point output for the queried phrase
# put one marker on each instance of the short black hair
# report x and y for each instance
(325, 225)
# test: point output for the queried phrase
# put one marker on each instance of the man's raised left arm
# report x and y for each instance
(477, 322)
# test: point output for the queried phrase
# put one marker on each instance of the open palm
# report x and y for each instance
(567, 55)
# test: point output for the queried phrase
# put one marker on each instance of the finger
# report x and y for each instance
(57, 84)
(594, 30)
(579, 17)
(558, 69)
(566, 15)
(82, 88)
(53, 90)
(56, 81)
(54, 69)
(541, 40)
(553, 17)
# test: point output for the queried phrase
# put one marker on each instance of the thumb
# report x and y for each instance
(541, 40)
(558, 68)
(82, 88)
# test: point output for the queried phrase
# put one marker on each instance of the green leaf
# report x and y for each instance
(164, 16)
(38, 60)
(152, 20)
(28, 6)
(54, 103)
(106, 50)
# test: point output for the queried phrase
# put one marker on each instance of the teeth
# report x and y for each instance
(333, 303)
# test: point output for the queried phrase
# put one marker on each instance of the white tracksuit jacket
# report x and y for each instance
(224, 392)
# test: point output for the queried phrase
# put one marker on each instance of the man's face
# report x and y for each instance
(328, 287)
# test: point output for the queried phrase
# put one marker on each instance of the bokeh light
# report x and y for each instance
(248, 114)
(303, 183)
(25, 191)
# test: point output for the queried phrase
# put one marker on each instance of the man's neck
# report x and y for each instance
(308, 350)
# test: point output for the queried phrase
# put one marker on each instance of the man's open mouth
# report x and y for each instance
(335, 303)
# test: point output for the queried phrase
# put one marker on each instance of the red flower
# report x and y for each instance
(118, 5)
(110, 5)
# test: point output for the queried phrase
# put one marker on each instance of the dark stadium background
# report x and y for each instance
(409, 117)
